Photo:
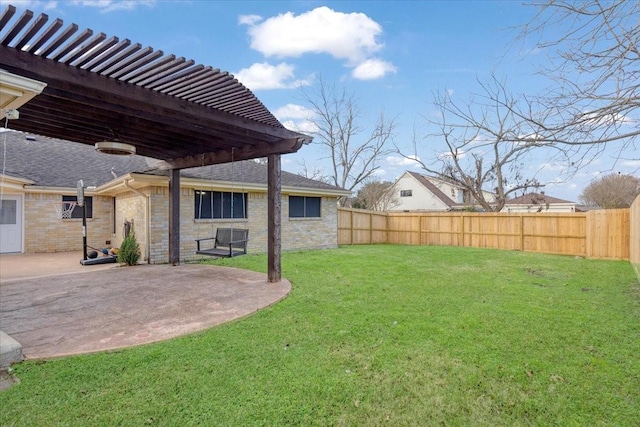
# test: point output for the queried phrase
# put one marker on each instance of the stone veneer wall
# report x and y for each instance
(45, 232)
(297, 234)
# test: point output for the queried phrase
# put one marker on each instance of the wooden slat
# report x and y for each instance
(90, 56)
(125, 61)
(7, 14)
(17, 27)
(115, 59)
(151, 68)
(185, 74)
(99, 60)
(84, 35)
(135, 64)
(87, 48)
(32, 31)
(59, 40)
(170, 68)
(195, 84)
(45, 36)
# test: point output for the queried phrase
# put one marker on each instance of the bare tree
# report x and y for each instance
(314, 173)
(353, 152)
(611, 191)
(488, 143)
(593, 52)
(377, 195)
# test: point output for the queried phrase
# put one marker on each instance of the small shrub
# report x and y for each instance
(129, 253)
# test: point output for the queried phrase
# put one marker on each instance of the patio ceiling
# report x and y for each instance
(102, 88)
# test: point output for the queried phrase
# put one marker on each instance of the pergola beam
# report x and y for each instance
(236, 154)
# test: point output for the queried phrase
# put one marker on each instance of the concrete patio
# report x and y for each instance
(53, 306)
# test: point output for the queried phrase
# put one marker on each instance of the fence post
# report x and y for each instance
(522, 232)
(351, 227)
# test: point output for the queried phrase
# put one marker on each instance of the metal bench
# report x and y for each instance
(228, 242)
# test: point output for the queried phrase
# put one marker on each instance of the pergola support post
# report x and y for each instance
(174, 217)
(274, 208)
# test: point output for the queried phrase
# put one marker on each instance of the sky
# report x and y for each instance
(392, 55)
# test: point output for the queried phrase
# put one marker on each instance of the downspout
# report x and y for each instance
(147, 202)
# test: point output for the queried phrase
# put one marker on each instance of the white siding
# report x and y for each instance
(421, 198)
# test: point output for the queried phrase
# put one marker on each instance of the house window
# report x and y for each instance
(406, 193)
(77, 210)
(304, 207)
(220, 204)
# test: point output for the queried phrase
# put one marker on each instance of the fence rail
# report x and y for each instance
(595, 234)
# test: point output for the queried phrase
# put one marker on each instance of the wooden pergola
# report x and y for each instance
(102, 88)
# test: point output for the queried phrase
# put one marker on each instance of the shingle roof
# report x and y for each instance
(534, 198)
(435, 190)
(52, 162)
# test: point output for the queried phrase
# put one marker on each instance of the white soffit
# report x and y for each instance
(16, 91)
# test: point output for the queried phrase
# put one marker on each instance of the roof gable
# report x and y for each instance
(439, 194)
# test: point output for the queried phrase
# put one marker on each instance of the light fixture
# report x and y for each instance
(114, 147)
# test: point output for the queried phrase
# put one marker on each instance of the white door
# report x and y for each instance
(10, 224)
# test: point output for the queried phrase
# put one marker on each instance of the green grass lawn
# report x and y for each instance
(377, 335)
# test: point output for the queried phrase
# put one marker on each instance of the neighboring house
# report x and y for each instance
(417, 192)
(41, 173)
(539, 202)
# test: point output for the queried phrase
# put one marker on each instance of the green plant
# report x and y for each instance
(129, 253)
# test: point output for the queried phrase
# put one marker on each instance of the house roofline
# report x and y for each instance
(13, 182)
(138, 181)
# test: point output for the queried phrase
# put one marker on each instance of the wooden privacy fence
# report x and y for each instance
(595, 234)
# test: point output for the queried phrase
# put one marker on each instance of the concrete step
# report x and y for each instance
(10, 351)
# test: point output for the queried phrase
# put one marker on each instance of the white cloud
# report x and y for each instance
(303, 126)
(293, 111)
(460, 154)
(266, 76)
(352, 37)
(552, 166)
(249, 19)
(372, 69)
(27, 4)
(631, 163)
(112, 5)
(297, 118)
(599, 119)
(349, 36)
(403, 161)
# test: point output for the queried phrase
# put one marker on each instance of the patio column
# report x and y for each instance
(274, 208)
(174, 217)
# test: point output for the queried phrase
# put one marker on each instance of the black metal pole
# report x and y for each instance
(84, 231)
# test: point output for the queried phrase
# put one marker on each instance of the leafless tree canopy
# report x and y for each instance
(353, 151)
(593, 53)
(488, 143)
(612, 191)
(377, 196)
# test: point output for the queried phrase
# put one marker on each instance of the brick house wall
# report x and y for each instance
(297, 233)
(45, 232)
